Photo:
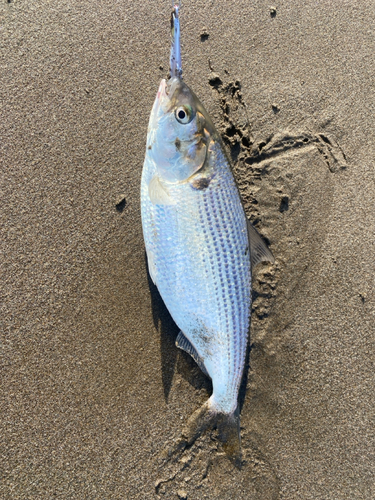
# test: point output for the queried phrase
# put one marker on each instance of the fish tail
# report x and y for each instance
(207, 417)
(228, 426)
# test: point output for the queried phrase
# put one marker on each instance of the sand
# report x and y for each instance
(92, 386)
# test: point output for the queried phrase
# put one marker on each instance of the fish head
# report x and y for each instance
(179, 133)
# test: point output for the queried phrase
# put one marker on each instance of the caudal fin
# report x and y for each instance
(228, 426)
(206, 417)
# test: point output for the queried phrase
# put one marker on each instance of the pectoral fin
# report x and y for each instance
(157, 193)
(259, 251)
(183, 343)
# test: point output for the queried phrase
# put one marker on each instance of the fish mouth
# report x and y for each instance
(159, 105)
(162, 90)
(165, 97)
(156, 108)
(162, 100)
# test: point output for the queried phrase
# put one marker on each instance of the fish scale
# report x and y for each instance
(203, 274)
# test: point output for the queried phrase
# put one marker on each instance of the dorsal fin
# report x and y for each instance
(259, 251)
(183, 343)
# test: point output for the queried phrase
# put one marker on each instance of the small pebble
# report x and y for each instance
(204, 34)
(182, 494)
(273, 11)
(215, 80)
(120, 203)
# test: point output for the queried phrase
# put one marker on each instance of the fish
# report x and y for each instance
(200, 246)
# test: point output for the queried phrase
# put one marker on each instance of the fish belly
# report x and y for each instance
(198, 250)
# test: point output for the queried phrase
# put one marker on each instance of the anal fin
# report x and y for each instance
(183, 343)
(259, 251)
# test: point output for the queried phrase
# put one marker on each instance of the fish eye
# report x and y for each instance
(184, 114)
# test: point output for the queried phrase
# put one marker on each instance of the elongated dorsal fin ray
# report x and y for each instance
(175, 59)
(259, 251)
(157, 193)
(183, 343)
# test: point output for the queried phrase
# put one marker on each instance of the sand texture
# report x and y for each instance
(92, 385)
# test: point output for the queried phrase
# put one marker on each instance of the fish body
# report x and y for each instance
(197, 241)
(198, 252)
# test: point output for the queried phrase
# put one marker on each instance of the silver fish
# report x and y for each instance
(200, 246)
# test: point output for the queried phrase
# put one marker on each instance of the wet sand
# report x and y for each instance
(93, 388)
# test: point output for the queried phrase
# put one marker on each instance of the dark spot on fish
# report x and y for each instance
(177, 143)
(200, 184)
(205, 336)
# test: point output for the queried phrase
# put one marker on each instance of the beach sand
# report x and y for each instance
(92, 387)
